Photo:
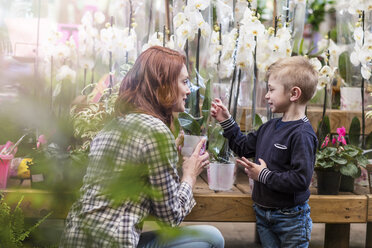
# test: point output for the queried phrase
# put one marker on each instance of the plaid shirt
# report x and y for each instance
(92, 220)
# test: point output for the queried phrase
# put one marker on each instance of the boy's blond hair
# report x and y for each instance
(295, 71)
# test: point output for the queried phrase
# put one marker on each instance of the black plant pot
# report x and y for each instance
(328, 182)
(347, 184)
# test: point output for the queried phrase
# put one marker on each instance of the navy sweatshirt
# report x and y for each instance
(288, 149)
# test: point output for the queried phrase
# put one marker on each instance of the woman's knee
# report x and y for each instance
(210, 234)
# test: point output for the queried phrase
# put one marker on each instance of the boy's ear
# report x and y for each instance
(295, 94)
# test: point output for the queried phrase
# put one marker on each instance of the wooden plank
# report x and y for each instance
(369, 218)
(337, 118)
(242, 181)
(338, 208)
(230, 208)
(337, 235)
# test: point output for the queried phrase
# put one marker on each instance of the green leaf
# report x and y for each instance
(349, 169)
(362, 161)
(354, 131)
(338, 160)
(257, 122)
(216, 141)
(344, 65)
(191, 125)
(324, 128)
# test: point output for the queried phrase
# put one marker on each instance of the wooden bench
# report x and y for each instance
(337, 212)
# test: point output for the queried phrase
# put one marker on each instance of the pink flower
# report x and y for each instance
(341, 139)
(41, 141)
(325, 142)
(334, 141)
(341, 131)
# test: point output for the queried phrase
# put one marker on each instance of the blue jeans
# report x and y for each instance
(286, 227)
(201, 236)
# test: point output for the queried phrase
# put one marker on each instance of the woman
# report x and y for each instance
(140, 138)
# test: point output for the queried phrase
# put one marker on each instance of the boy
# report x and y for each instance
(284, 150)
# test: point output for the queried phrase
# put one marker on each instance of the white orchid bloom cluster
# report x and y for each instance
(326, 73)
(362, 54)
(117, 41)
(214, 49)
(224, 12)
(272, 47)
(226, 65)
(157, 39)
(188, 22)
(60, 54)
(355, 6)
(88, 36)
(250, 29)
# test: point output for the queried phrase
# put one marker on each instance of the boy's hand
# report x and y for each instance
(219, 111)
(252, 169)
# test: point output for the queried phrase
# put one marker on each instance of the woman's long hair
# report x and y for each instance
(151, 86)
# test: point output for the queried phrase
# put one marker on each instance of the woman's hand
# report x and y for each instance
(195, 164)
(219, 111)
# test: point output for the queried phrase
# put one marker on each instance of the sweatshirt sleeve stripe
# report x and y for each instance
(227, 123)
(262, 177)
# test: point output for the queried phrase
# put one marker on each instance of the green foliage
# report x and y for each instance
(216, 142)
(257, 122)
(317, 14)
(347, 159)
(190, 122)
(354, 132)
(324, 128)
(344, 65)
(13, 231)
(90, 119)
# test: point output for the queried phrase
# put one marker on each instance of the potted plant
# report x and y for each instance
(192, 122)
(222, 169)
(336, 158)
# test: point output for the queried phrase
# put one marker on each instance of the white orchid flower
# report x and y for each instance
(215, 38)
(284, 33)
(99, 17)
(198, 4)
(316, 63)
(224, 11)
(367, 37)
(225, 69)
(244, 58)
(156, 39)
(170, 44)
(179, 19)
(205, 30)
(322, 44)
(87, 19)
(183, 33)
(323, 81)
(240, 8)
(61, 52)
(86, 63)
(326, 71)
(358, 36)
(65, 73)
(366, 72)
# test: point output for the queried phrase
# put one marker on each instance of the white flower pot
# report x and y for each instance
(221, 176)
(189, 144)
